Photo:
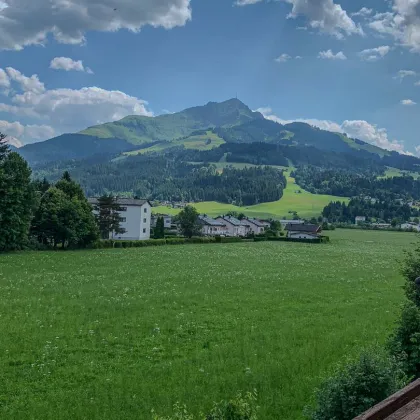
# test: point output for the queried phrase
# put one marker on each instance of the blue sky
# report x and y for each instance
(347, 65)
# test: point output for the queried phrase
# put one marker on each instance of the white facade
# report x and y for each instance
(301, 235)
(360, 219)
(255, 226)
(167, 220)
(233, 227)
(136, 216)
(285, 222)
(410, 226)
(208, 230)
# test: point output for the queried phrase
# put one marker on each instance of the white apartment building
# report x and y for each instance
(136, 216)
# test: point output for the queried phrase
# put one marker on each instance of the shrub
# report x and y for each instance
(356, 386)
(175, 241)
(260, 238)
(231, 239)
(218, 239)
(239, 408)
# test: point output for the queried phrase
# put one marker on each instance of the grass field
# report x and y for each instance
(112, 334)
(392, 172)
(294, 199)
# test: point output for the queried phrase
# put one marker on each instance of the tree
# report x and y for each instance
(159, 231)
(65, 217)
(108, 216)
(189, 222)
(4, 147)
(17, 200)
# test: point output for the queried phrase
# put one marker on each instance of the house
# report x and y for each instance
(285, 222)
(247, 226)
(212, 227)
(167, 220)
(381, 225)
(234, 226)
(256, 227)
(359, 219)
(295, 231)
(410, 226)
(135, 218)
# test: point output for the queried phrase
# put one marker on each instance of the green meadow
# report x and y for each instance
(294, 199)
(113, 334)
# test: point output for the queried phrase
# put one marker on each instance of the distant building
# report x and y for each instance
(410, 226)
(234, 227)
(135, 218)
(286, 222)
(256, 226)
(360, 219)
(212, 227)
(381, 225)
(299, 231)
(167, 220)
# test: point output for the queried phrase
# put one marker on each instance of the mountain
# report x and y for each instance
(139, 129)
(202, 128)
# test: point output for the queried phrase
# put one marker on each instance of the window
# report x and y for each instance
(144, 220)
(144, 230)
(123, 219)
(145, 210)
(122, 209)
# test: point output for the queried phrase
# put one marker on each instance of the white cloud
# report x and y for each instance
(403, 23)
(329, 55)
(67, 110)
(363, 12)
(18, 133)
(29, 22)
(298, 57)
(283, 58)
(359, 129)
(374, 54)
(67, 64)
(246, 2)
(417, 83)
(27, 84)
(4, 79)
(408, 102)
(326, 16)
(405, 73)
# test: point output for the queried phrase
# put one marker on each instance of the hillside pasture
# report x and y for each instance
(113, 334)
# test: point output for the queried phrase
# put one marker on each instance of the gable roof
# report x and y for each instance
(210, 221)
(256, 222)
(232, 220)
(123, 201)
(303, 228)
(244, 222)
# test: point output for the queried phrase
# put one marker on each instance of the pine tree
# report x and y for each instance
(17, 200)
(160, 228)
(108, 216)
(4, 147)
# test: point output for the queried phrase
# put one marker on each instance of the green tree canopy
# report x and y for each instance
(188, 221)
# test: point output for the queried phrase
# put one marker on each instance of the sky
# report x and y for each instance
(350, 66)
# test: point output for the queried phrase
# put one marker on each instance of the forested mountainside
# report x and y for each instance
(157, 178)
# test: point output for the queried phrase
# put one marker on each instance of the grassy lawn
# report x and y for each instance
(294, 199)
(392, 172)
(112, 334)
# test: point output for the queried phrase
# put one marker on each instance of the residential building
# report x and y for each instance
(234, 227)
(247, 226)
(167, 220)
(295, 231)
(410, 226)
(212, 227)
(256, 226)
(285, 222)
(359, 219)
(135, 218)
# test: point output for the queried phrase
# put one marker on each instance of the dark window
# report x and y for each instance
(145, 210)
(123, 209)
(144, 230)
(144, 220)
(123, 219)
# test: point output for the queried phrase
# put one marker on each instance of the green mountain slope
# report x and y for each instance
(139, 129)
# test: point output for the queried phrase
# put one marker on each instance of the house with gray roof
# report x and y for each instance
(303, 231)
(135, 216)
(256, 226)
(234, 226)
(212, 227)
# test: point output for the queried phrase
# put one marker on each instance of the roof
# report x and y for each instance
(303, 228)
(403, 405)
(232, 220)
(123, 201)
(210, 221)
(292, 222)
(244, 222)
(256, 222)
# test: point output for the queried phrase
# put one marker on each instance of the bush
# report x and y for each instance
(260, 238)
(231, 239)
(175, 241)
(239, 408)
(357, 386)
(218, 239)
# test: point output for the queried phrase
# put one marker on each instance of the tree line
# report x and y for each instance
(37, 214)
(162, 177)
